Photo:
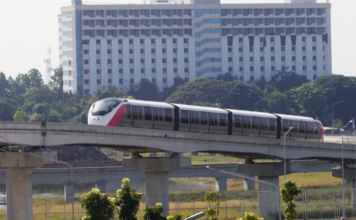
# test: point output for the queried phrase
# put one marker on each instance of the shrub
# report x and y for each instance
(98, 206)
(213, 200)
(128, 201)
(288, 192)
(154, 213)
(250, 216)
(178, 216)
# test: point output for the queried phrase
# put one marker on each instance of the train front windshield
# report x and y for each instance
(103, 107)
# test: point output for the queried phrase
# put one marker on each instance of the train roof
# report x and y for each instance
(148, 103)
(252, 113)
(201, 108)
(295, 117)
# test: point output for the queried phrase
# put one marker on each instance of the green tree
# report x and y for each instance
(250, 216)
(56, 83)
(21, 116)
(234, 94)
(289, 191)
(275, 102)
(285, 80)
(35, 77)
(146, 90)
(178, 216)
(154, 213)
(98, 206)
(83, 118)
(227, 77)
(338, 123)
(169, 91)
(54, 116)
(128, 201)
(213, 200)
(7, 109)
(4, 85)
(38, 117)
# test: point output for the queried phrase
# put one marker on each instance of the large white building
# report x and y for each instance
(166, 39)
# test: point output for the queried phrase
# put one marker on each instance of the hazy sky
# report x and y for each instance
(27, 27)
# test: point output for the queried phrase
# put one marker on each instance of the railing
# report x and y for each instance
(311, 204)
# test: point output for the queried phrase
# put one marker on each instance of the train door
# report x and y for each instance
(302, 130)
(204, 122)
(285, 127)
(213, 122)
(137, 116)
(264, 129)
(272, 127)
(194, 121)
(126, 120)
(237, 125)
(147, 121)
(294, 133)
(184, 122)
(158, 118)
(247, 125)
(222, 127)
(255, 126)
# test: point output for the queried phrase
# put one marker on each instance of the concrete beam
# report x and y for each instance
(21, 168)
(156, 170)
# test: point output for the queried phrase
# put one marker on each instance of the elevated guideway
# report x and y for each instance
(137, 140)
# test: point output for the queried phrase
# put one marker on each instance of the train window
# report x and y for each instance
(148, 113)
(310, 128)
(255, 123)
(272, 124)
(137, 112)
(301, 127)
(223, 120)
(238, 121)
(128, 114)
(213, 119)
(247, 122)
(168, 115)
(185, 117)
(285, 125)
(294, 124)
(264, 123)
(158, 114)
(204, 118)
(315, 128)
(194, 117)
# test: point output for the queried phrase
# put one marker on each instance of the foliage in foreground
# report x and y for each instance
(128, 201)
(178, 216)
(213, 200)
(289, 191)
(250, 216)
(98, 206)
(154, 213)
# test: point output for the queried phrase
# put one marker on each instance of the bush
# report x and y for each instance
(213, 200)
(250, 216)
(154, 213)
(21, 116)
(128, 201)
(179, 216)
(288, 192)
(98, 206)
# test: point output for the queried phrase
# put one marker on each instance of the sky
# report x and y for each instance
(28, 27)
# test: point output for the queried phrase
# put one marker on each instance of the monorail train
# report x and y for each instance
(177, 117)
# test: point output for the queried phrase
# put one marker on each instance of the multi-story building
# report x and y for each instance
(163, 40)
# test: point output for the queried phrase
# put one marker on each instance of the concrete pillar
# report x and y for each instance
(21, 172)
(221, 184)
(268, 196)
(353, 195)
(157, 190)
(101, 185)
(68, 191)
(249, 184)
(156, 170)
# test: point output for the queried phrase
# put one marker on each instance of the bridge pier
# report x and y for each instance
(221, 184)
(156, 170)
(268, 195)
(21, 167)
(350, 177)
(249, 185)
(101, 185)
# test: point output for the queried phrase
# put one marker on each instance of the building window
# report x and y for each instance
(86, 82)
(131, 70)
(272, 59)
(97, 51)
(153, 70)
(153, 60)
(314, 48)
(293, 58)
(110, 81)
(132, 81)
(174, 50)
(153, 50)
(131, 51)
(86, 71)
(164, 60)
(251, 59)
(142, 70)
(272, 49)
(272, 68)
(303, 48)
(98, 71)
(98, 81)
(304, 58)
(98, 41)
(185, 50)
(164, 70)
(109, 61)
(262, 59)
(175, 70)
(304, 68)
(186, 70)
(293, 68)
(121, 80)
(98, 61)
(121, 71)
(110, 71)
(262, 68)
(120, 51)
(131, 41)
(251, 68)
(174, 60)
(164, 50)
(314, 67)
(186, 60)
(164, 80)
(230, 69)
(241, 69)
(142, 51)
(131, 61)
(142, 60)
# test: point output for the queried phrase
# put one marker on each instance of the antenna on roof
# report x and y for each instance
(217, 105)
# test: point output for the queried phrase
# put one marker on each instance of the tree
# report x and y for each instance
(250, 216)
(35, 78)
(275, 102)
(54, 116)
(285, 80)
(338, 123)
(4, 85)
(213, 200)
(146, 90)
(98, 206)
(227, 77)
(234, 94)
(38, 117)
(288, 192)
(154, 213)
(178, 216)
(21, 116)
(128, 201)
(56, 83)
(169, 91)
(7, 109)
